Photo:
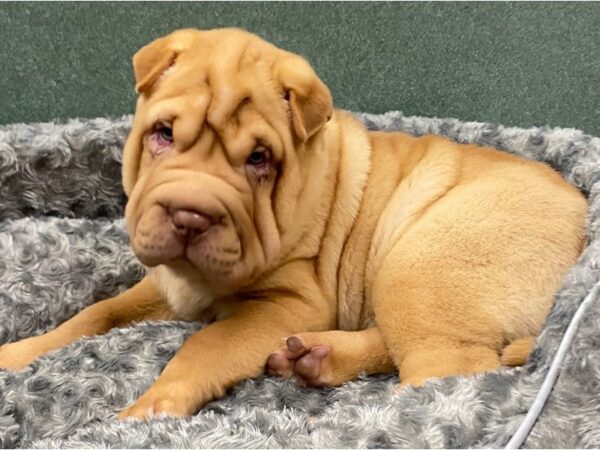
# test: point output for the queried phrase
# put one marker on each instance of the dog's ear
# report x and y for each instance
(152, 60)
(309, 98)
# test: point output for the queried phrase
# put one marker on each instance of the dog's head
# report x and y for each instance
(218, 157)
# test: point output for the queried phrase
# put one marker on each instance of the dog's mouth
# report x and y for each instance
(172, 236)
(184, 217)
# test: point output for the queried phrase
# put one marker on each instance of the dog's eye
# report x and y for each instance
(161, 138)
(259, 164)
(256, 158)
(259, 156)
(164, 133)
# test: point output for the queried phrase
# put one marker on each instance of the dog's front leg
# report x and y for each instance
(140, 302)
(225, 353)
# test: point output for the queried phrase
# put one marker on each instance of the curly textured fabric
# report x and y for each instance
(63, 246)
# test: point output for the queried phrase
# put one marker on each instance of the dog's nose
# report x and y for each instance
(189, 223)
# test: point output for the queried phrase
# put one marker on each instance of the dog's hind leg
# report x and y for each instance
(330, 358)
(141, 302)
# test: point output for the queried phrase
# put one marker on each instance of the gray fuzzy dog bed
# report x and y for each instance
(63, 246)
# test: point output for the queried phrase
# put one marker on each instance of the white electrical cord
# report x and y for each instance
(540, 400)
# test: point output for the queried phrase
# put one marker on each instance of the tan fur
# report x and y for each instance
(370, 251)
(517, 352)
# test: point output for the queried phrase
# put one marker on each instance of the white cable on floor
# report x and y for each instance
(540, 400)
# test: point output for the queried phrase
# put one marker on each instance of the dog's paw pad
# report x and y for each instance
(295, 346)
(278, 364)
(308, 367)
(307, 364)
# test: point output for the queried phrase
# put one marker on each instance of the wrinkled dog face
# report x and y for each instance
(212, 164)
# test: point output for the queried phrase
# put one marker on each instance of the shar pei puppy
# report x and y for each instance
(314, 248)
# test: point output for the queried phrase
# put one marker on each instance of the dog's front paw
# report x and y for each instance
(17, 355)
(167, 399)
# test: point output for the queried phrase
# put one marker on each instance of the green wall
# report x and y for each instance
(517, 64)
